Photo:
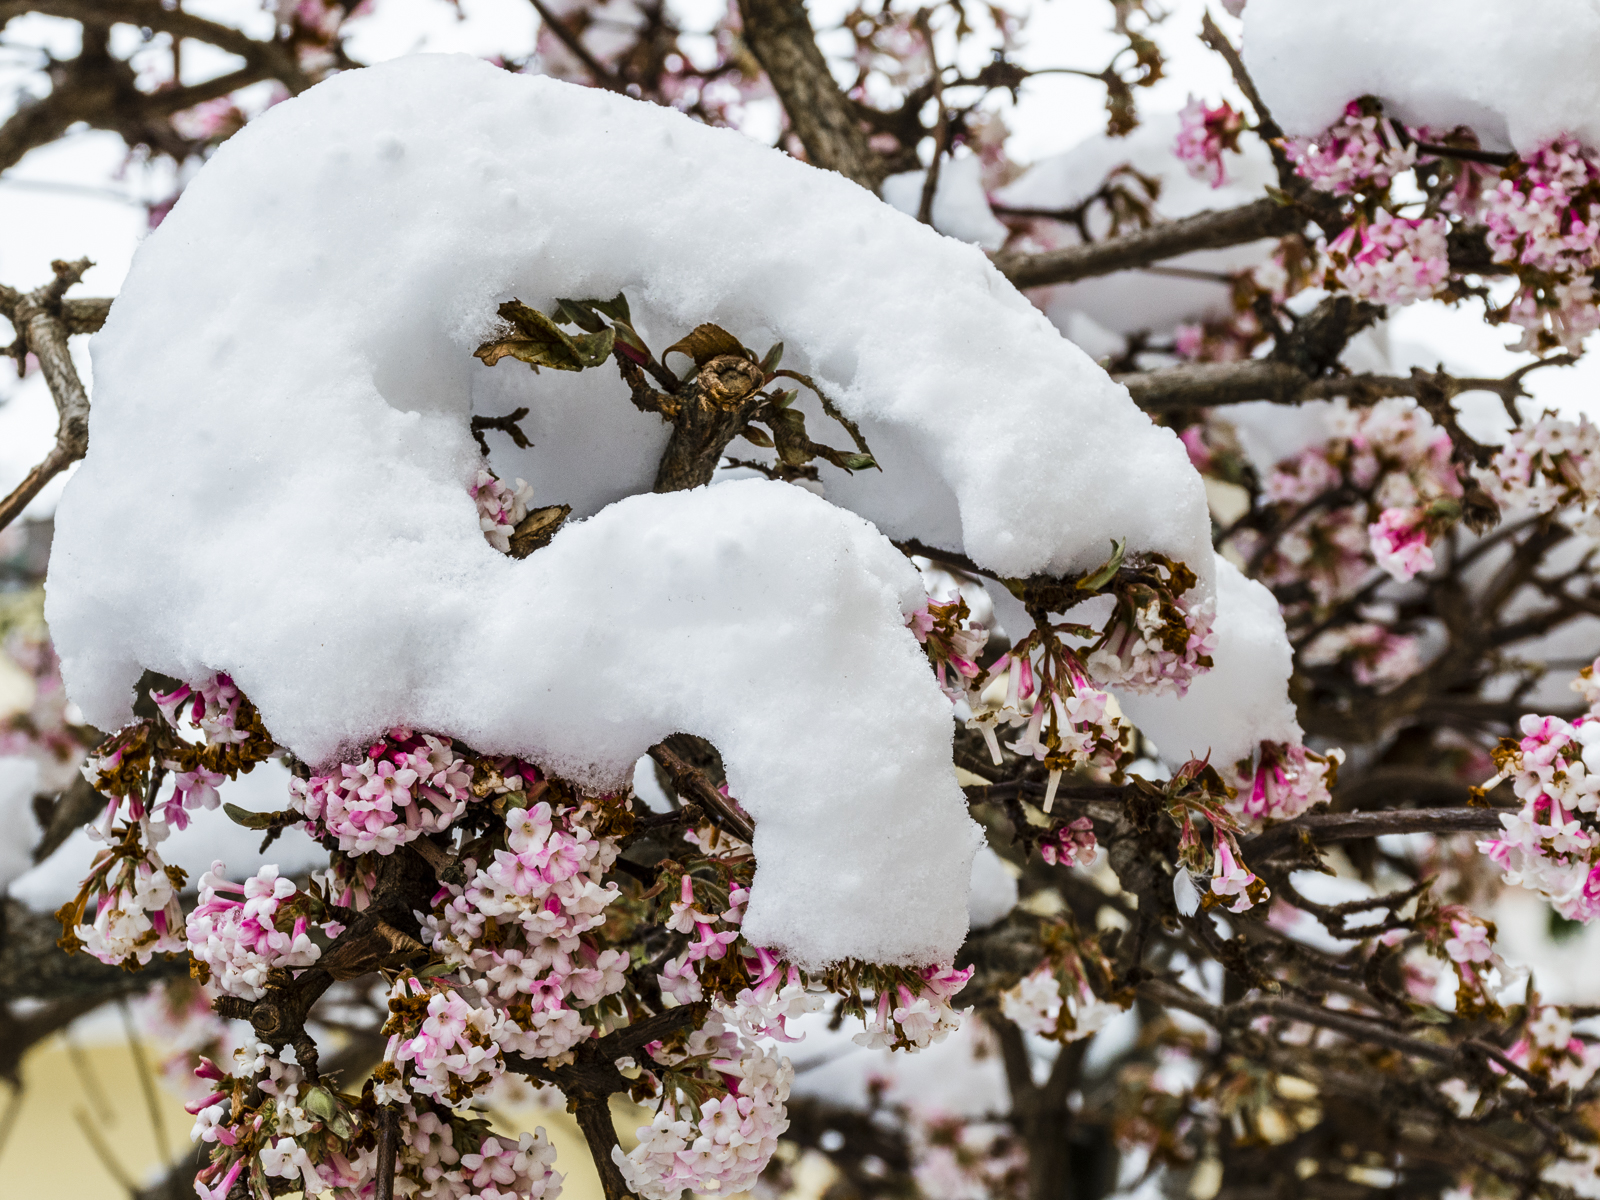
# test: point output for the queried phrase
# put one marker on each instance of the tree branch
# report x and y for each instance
(779, 33)
(1346, 827)
(273, 58)
(692, 785)
(37, 318)
(1203, 231)
(1207, 385)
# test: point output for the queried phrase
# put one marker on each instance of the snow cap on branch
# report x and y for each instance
(305, 516)
(1518, 72)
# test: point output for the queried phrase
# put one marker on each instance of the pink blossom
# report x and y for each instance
(1400, 543)
(1204, 133)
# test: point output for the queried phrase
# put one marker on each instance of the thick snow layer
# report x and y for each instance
(994, 890)
(960, 207)
(1516, 71)
(284, 390)
(1128, 301)
(1241, 701)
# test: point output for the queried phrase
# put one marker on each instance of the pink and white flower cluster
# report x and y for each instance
(1064, 719)
(211, 706)
(242, 931)
(1361, 152)
(906, 1019)
(1073, 845)
(1038, 1006)
(137, 914)
(1552, 843)
(1284, 781)
(44, 731)
(721, 1143)
(453, 1052)
(680, 977)
(1135, 656)
(1547, 214)
(409, 784)
(311, 1138)
(1394, 465)
(500, 508)
(544, 894)
(951, 641)
(1392, 260)
(1400, 543)
(1204, 133)
(1549, 464)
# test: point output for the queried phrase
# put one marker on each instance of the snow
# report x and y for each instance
(960, 207)
(1518, 72)
(19, 780)
(1129, 301)
(1241, 701)
(994, 890)
(292, 428)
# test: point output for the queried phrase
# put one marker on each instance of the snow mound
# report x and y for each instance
(284, 388)
(1516, 71)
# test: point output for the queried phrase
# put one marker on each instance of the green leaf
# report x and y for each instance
(774, 356)
(319, 1102)
(616, 308)
(1107, 570)
(578, 312)
(705, 342)
(542, 343)
(858, 462)
(756, 437)
(784, 399)
(259, 820)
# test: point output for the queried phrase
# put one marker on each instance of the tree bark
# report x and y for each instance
(779, 33)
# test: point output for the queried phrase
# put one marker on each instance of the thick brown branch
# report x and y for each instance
(273, 57)
(1203, 231)
(1207, 385)
(779, 33)
(594, 1118)
(692, 785)
(1346, 827)
(32, 967)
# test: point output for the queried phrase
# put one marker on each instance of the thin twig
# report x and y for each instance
(147, 1082)
(103, 1152)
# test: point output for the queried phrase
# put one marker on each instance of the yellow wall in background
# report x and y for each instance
(48, 1154)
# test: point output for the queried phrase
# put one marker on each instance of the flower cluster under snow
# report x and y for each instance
(1393, 260)
(240, 932)
(408, 785)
